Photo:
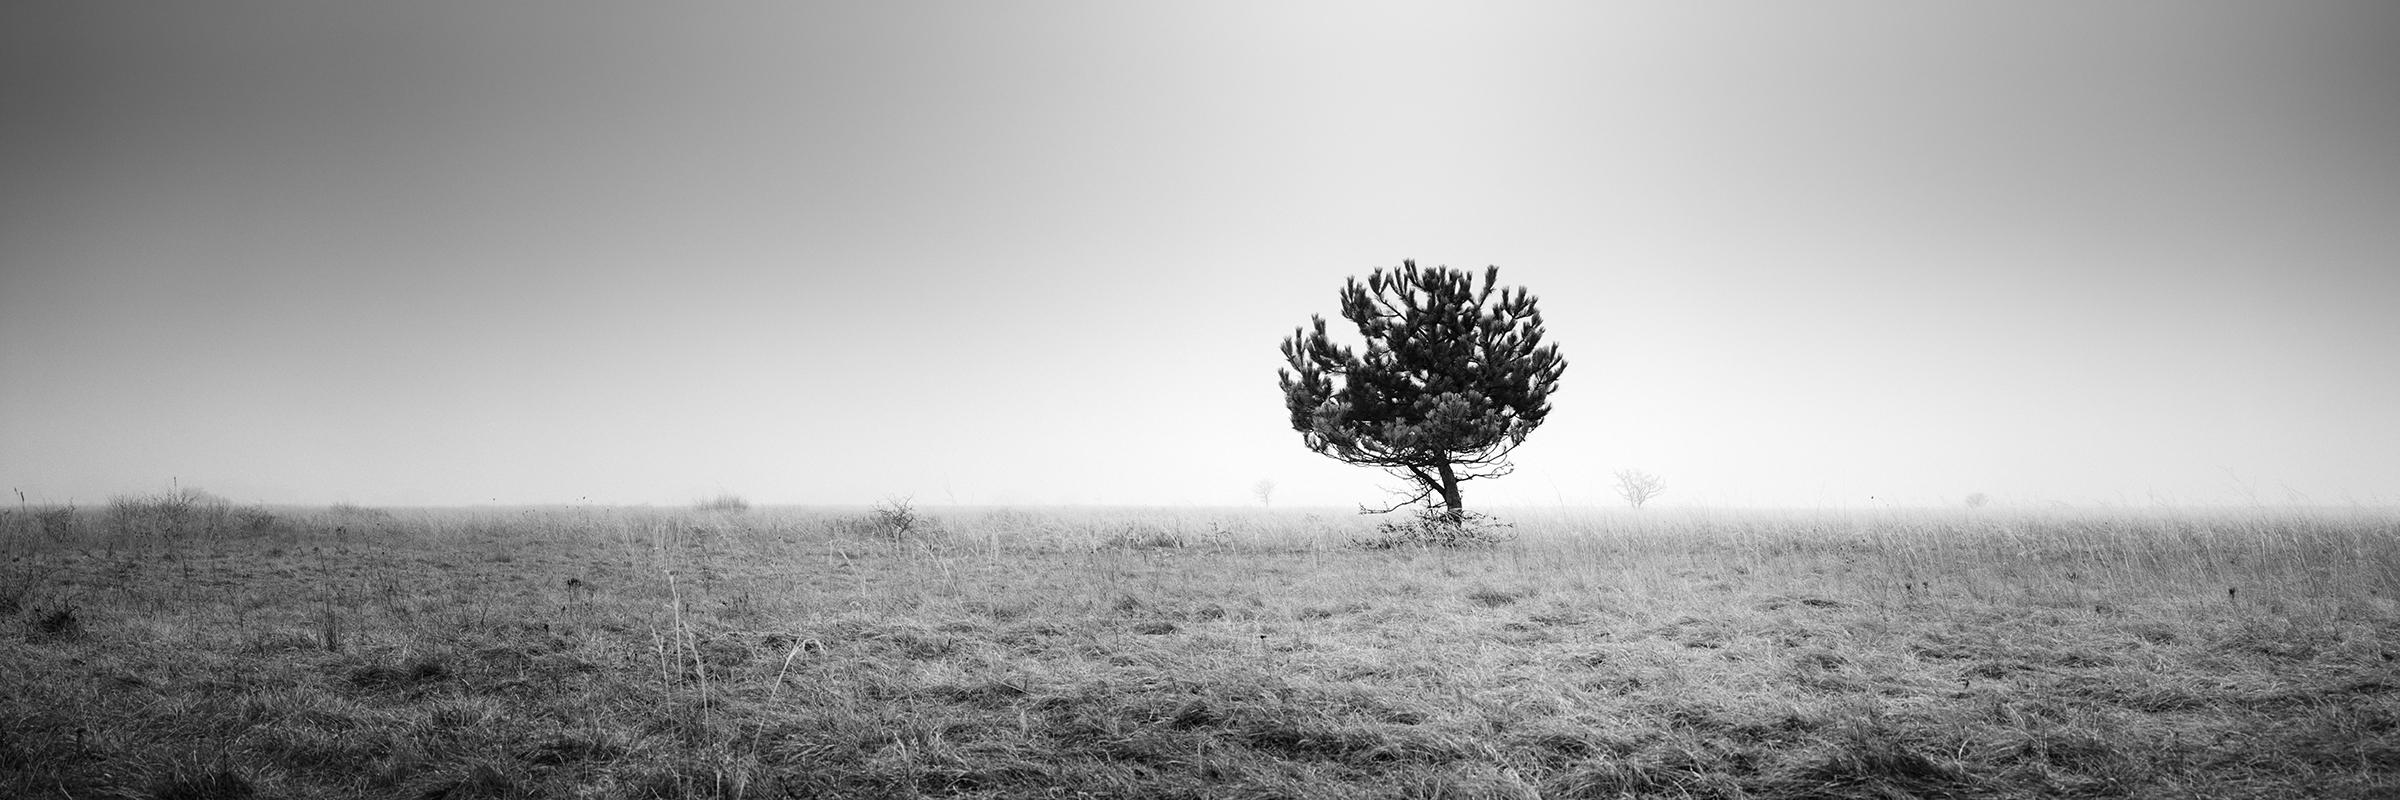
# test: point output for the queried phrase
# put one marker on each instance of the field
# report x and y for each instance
(765, 653)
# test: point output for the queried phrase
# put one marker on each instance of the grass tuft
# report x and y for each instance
(217, 782)
(56, 623)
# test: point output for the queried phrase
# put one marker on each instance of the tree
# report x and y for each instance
(1265, 489)
(1638, 487)
(1452, 380)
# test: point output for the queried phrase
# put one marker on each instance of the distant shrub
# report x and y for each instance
(727, 502)
(184, 513)
(1011, 520)
(898, 518)
(1147, 535)
(173, 515)
(355, 511)
(57, 523)
(254, 519)
(1438, 527)
(51, 522)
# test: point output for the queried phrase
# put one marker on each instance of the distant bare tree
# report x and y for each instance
(1978, 500)
(1638, 487)
(1265, 491)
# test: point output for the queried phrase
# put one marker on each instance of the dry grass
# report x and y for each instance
(996, 653)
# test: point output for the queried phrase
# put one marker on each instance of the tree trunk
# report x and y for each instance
(1455, 507)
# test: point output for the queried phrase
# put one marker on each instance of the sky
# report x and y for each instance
(1833, 254)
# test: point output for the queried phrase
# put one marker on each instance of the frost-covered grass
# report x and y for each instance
(354, 652)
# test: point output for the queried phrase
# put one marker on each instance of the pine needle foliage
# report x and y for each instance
(1452, 379)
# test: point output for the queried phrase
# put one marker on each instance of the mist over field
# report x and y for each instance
(1844, 255)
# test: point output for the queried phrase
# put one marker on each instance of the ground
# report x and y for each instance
(766, 653)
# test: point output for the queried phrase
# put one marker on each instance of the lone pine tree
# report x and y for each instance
(1452, 380)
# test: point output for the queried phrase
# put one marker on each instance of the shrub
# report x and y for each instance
(1147, 535)
(184, 512)
(254, 519)
(898, 518)
(727, 502)
(172, 515)
(58, 523)
(354, 511)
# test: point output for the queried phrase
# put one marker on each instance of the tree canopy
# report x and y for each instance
(1453, 378)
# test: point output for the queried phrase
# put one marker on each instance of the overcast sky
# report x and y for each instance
(1816, 255)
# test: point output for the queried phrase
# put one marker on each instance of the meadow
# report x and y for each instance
(151, 651)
